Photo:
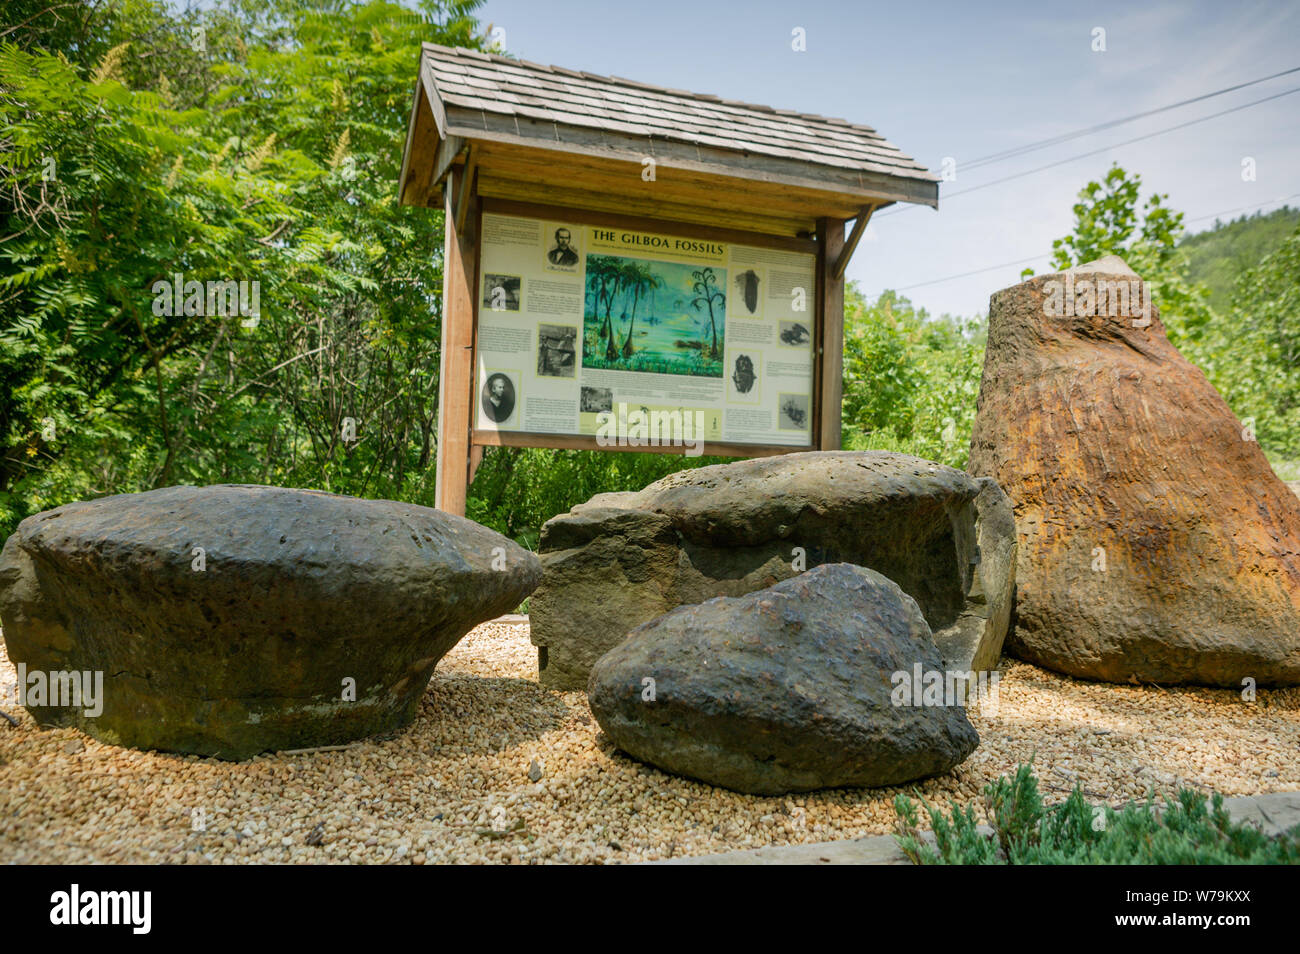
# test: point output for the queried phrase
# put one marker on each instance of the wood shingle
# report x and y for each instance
(710, 152)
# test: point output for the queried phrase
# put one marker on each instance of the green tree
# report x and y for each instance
(1253, 356)
(707, 294)
(638, 279)
(269, 154)
(1223, 253)
(1106, 222)
(910, 380)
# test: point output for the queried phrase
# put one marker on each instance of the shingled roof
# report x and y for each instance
(475, 96)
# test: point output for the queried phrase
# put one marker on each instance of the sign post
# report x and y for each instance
(636, 269)
(460, 255)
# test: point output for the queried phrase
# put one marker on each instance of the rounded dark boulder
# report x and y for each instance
(790, 688)
(235, 619)
(620, 560)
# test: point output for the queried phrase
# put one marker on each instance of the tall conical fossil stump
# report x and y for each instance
(1155, 541)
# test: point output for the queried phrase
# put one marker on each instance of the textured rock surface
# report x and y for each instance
(620, 560)
(1156, 543)
(784, 689)
(298, 592)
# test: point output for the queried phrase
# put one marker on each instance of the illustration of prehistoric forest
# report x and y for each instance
(659, 317)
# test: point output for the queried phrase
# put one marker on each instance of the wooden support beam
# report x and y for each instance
(450, 153)
(859, 226)
(726, 165)
(466, 187)
(404, 176)
(830, 288)
(456, 382)
(581, 442)
(623, 219)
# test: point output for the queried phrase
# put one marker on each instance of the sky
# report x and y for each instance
(965, 80)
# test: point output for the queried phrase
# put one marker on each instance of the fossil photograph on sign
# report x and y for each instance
(749, 290)
(794, 333)
(556, 350)
(794, 412)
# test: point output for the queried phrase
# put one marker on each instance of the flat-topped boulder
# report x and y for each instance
(231, 620)
(620, 560)
(787, 689)
(1156, 543)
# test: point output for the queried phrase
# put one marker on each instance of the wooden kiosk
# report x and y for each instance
(618, 254)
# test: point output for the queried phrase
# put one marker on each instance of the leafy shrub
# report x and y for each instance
(274, 158)
(516, 490)
(1188, 830)
(910, 381)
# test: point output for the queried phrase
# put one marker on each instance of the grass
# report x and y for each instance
(649, 362)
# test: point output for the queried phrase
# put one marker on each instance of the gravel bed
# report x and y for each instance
(496, 769)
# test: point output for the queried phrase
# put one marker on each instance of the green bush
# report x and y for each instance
(273, 158)
(1189, 830)
(910, 380)
(516, 490)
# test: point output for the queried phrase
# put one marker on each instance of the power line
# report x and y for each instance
(1025, 261)
(1127, 142)
(1094, 152)
(978, 271)
(1066, 137)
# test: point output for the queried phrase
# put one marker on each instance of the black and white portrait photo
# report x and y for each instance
(499, 397)
(562, 254)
